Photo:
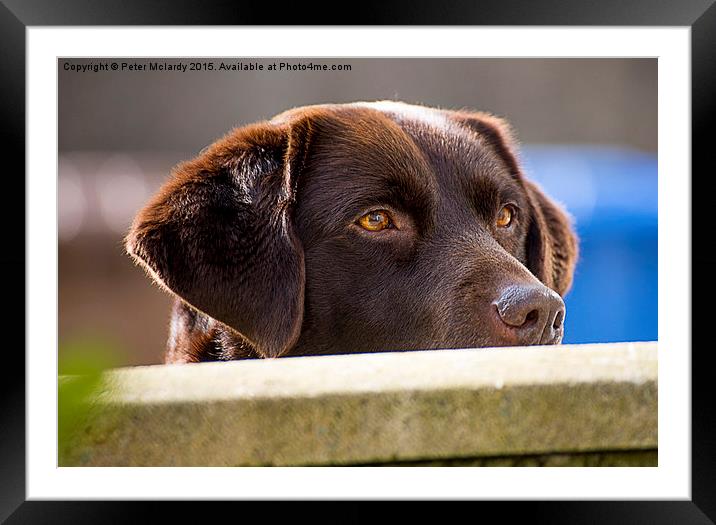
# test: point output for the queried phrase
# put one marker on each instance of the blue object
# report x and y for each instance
(611, 193)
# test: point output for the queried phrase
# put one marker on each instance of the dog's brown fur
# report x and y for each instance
(257, 236)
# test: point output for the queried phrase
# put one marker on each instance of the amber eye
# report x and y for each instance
(505, 216)
(375, 221)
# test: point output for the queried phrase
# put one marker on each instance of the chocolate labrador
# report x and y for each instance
(356, 228)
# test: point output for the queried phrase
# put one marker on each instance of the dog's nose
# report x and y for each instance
(532, 314)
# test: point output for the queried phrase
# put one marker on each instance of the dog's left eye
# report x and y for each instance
(505, 216)
(375, 221)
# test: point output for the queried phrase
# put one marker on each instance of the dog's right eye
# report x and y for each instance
(375, 221)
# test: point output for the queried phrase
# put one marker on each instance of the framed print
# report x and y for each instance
(611, 107)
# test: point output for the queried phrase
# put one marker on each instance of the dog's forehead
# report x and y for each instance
(388, 139)
(428, 127)
(362, 153)
(408, 113)
(445, 141)
(407, 116)
(442, 138)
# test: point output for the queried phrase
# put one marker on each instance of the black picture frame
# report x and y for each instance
(17, 15)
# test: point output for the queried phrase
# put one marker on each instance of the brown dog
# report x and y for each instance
(356, 228)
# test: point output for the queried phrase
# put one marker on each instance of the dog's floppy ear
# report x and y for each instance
(219, 234)
(551, 243)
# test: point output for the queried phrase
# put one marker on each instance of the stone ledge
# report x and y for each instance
(376, 408)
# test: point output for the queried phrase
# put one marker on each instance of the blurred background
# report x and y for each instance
(588, 129)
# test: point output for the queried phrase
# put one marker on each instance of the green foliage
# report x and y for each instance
(80, 368)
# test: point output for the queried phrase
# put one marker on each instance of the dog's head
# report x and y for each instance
(362, 227)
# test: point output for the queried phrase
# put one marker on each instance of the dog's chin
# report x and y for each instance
(544, 340)
(235, 346)
(503, 339)
(499, 342)
(491, 341)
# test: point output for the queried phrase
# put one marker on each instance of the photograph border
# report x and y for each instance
(15, 16)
